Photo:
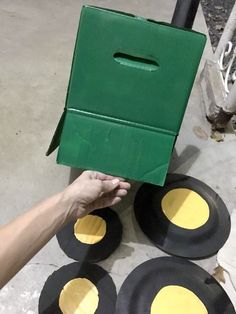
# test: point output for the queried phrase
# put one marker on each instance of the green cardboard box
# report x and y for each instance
(129, 86)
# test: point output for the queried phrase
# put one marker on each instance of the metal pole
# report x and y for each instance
(185, 12)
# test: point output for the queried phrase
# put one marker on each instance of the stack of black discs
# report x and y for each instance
(78, 288)
(92, 238)
(185, 217)
(82, 287)
(171, 285)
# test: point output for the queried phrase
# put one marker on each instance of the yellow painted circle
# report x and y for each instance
(90, 229)
(177, 300)
(79, 296)
(185, 208)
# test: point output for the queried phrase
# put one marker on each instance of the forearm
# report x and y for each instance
(22, 238)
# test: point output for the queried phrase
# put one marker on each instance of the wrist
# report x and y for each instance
(69, 205)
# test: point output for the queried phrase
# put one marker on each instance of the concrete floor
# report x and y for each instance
(37, 40)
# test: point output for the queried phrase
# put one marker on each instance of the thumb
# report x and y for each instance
(110, 185)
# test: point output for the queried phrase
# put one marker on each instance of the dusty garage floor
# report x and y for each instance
(36, 46)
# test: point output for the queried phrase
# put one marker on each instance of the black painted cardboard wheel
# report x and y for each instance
(172, 285)
(184, 218)
(92, 238)
(97, 296)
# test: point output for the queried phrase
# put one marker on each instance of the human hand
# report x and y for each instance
(93, 190)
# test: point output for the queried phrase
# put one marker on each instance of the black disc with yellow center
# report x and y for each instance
(171, 285)
(78, 288)
(184, 218)
(92, 238)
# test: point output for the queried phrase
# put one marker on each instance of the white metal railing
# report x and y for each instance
(224, 61)
(226, 50)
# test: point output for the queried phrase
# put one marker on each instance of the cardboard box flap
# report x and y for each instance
(55, 142)
(109, 145)
(128, 14)
(110, 10)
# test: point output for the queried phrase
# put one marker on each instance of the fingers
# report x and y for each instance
(117, 192)
(109, 185)
(111, 198)
(121, 184)
(114, 201)
(124, 185)
(104, 177)
(121, 192)
(107, 202)
(101, 176)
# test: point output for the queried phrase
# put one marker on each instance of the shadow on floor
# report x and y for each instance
(190, 152)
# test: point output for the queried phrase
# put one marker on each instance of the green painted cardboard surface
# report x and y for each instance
(109, 144)
(129, 87)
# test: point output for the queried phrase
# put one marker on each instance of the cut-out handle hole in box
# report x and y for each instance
(136, 62)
